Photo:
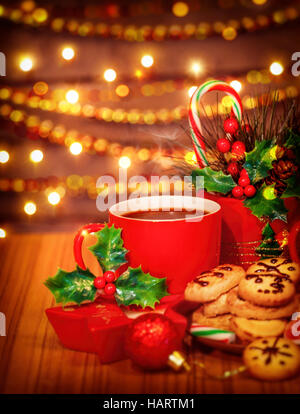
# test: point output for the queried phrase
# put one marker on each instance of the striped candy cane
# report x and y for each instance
(194, 114)
(216, 334)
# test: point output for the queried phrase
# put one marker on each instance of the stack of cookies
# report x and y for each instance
(254, 304)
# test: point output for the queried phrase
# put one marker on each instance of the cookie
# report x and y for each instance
(217, 307)
(244, 309)
(266, 289)
(277, 265)
(250, 329)
(220, 321)
(213, 283)
(272, 359)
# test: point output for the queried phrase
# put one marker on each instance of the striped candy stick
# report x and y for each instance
(216, 334)
(194, 114)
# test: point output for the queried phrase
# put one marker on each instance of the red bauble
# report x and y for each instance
(244, 173)
(231, 126)
(99, 282)
(150, 339)
(249, 190)
(223, 145)
(238, 148)
(233, 169)
(109, 276)
(110, 289)
(237, 192)
(244, 181)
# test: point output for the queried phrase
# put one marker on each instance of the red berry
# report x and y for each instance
(110, 289)
(233, 169)
(238, 192)
(244, 173)
(223, 145)
(238, 148)
(99, 282)
(231, 126)
(244, 181)
(249, 190)
(109, 276)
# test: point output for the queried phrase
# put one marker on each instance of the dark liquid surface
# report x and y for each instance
(164, 215)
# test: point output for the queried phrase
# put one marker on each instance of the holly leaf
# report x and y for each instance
(214, 180)
(293, 188)
(259, 161)
(76, 286)
(109, 248)
(134, 287)
(261, 207)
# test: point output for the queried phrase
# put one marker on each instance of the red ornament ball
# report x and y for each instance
(238, 148)
(223, 145)
(99, 282)
(249, 190)
(244, 181)
(109, 276)
(237, 192)
(231, 126)
(150, 339)
(244, 173)
(233, 169)
(110, 289)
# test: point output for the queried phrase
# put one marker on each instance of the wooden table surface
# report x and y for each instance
(32, 360)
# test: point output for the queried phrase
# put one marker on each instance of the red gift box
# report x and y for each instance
(100, 327)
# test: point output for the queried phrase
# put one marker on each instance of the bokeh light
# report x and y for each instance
(72, 96)
(259, 2)
(190, 158)
(36, 156)
(147, 61)
(276, 68)
(4, 157)
(54, 198)
(2, 233)
(75, 148)
(236, 85)
(196, 68)
(122, 90)
(68, 53)
(110, 75)
(180, 9)
(125, 162)
(30, 208)
(26, 64)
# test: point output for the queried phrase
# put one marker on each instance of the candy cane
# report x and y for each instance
(212, 333)
(194, 114)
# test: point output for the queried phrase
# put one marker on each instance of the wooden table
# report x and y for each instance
(32, 360)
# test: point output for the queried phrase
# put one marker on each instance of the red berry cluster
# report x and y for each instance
(238, 149)
(106, 282)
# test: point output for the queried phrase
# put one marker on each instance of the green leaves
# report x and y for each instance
(214, 180)
(109, 248)
(293, 188)
(134, 287)
(261, 207)
(259, 161)
(76, 286)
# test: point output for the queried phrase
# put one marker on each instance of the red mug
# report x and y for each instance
(178, 249)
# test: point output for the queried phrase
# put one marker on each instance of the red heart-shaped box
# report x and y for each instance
(100, 327)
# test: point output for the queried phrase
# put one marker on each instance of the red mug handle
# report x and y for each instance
(78, 240)
(292, 242)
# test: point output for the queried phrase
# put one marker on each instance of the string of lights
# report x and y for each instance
(228, 30)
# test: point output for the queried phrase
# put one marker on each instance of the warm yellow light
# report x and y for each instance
(124, 162)
(68, 53)
(196, 68)
(259, 2)
(75, 148)
(180, 9)
(30, 208)
(4, 157)
(236, 85)
(138, 73)
(122, 90)
(190, 157)
(276, 68)
(2, 233)
(147, 61)
(36, 156)
(191, 90)
(26, 64)
(72, 96)
(110, 75)
(54, 198)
